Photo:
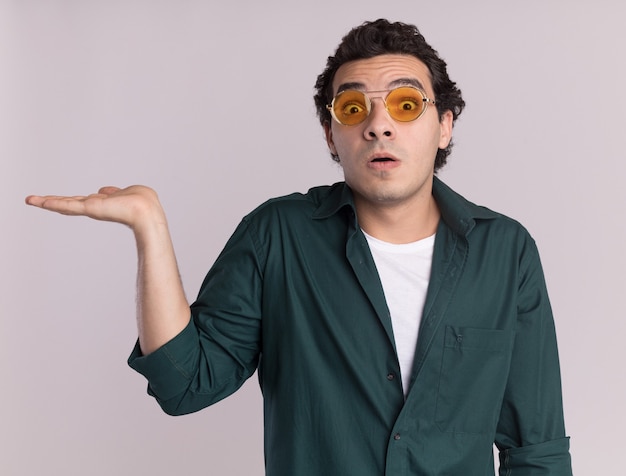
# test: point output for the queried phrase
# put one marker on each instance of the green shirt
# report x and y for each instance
(295, 293)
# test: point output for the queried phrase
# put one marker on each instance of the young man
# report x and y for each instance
(397, 328)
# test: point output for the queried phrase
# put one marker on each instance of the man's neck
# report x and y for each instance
(401, 223)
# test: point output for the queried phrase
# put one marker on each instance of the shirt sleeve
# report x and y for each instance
(531, 433)
(220, 347)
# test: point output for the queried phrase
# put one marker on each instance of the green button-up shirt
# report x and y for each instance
(295, 293)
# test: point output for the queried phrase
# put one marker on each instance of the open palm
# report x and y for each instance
(121, 205)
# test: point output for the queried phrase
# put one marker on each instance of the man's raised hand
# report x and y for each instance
(132, 206)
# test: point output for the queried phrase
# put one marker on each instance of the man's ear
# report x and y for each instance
(445, 125)
(329, 138)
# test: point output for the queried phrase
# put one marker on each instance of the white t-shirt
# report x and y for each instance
(404, 271)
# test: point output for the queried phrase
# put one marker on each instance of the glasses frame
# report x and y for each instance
(368, 103)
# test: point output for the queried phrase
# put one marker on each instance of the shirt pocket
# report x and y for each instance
(472, 379)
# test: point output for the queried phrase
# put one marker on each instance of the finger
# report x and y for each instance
(31, 199)
(63, 205)
(39, 201)
(108, 190)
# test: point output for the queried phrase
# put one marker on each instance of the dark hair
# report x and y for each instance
(382, 37)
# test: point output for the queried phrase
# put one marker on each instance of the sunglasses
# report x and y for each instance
(404, 104)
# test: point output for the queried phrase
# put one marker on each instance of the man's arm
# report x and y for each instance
(162, 308)
(531, 432)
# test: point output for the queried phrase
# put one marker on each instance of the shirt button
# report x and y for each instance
(390, 376)
(431, 320)
(396, 436)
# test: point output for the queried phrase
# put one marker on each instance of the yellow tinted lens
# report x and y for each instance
(405, 104)
(350, 107)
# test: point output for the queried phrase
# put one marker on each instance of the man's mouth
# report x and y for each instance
(383, 163)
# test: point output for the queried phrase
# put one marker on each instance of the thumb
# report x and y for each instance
(108, 190)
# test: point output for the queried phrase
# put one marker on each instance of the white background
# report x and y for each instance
(210, 103)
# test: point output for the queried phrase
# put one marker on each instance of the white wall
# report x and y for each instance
(119, 92)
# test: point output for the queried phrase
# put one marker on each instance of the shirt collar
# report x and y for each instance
(337, 197)
(457, 212)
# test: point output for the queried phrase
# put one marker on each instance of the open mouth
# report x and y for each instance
(383, 159)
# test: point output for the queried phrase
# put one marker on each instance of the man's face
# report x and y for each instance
(387, 162)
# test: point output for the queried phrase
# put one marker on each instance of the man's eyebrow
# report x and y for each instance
(407, 82)
(354, 85)
(393, 84)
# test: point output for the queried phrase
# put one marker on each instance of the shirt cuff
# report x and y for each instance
(549, 458)
(170, 368)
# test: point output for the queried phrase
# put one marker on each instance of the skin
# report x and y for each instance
(393, 198)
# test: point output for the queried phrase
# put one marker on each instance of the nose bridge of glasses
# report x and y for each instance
(370, 96)
(381, 94)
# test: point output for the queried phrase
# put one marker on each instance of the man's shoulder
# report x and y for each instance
(300, 204)
(465, 216)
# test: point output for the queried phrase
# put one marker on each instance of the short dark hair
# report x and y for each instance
(381, 37)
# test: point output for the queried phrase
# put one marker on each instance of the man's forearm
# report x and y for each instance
(162, 308)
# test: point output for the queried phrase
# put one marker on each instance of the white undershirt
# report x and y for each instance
(404, 271)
